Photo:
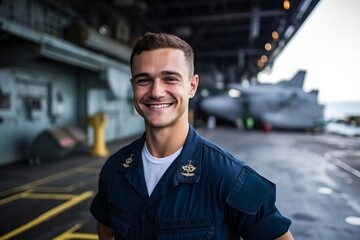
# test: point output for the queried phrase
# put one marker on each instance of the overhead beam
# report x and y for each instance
(218, 17)
(228, 53)
(198, 3)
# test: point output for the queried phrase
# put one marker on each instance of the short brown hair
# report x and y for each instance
(152, 41)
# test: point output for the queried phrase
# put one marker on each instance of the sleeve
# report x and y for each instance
(251, 208)
(99, 206)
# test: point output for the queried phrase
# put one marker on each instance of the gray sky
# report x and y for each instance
(328, 47)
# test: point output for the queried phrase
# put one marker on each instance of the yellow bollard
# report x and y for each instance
(98, 122)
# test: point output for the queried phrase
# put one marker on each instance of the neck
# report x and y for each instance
(163, 142)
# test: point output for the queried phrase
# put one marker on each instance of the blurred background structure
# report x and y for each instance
(65, 60)
(327, 47)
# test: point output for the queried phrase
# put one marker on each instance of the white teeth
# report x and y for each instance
(160, 106)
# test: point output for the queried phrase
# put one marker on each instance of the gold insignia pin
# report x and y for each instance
(188, 169)
(128, 161)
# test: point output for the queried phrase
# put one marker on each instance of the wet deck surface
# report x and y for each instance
(317, 177)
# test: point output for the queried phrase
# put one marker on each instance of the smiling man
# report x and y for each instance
(171, 183)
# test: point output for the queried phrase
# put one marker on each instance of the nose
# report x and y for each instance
(157, 89)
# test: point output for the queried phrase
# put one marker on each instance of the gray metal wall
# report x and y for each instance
(34, 106)
(44, 95)
(47, 81)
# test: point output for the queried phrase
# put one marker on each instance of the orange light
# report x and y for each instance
(286, 4)
(264, 58)
(275, 35)
(268, 47)
(260, 64)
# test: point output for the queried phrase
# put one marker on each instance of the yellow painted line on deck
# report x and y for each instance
(39, 182)
(56, 176)
(53, 177)
(15, 197)
(50, 196)
(91, 170)
(97, 163)
(68, 188)
(70, 234)
(84, 236)
(48, 215)
(31, 195)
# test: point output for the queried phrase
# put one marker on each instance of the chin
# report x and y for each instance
(159, 124)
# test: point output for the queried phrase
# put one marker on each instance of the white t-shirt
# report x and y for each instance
(154, 168)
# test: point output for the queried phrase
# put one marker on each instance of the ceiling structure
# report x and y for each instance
(236, 37)
(225, 33)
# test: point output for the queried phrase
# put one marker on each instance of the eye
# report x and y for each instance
(143, 81)
(170, 79)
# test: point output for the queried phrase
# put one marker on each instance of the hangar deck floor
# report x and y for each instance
(317, 177)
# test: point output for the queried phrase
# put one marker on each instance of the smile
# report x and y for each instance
(159, 105)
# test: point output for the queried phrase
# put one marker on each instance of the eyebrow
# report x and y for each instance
(162, 73)
(141, 75)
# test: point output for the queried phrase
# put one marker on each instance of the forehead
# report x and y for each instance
(159, 60)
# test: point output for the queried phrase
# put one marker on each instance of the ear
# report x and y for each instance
(194, 82)
(132, 83)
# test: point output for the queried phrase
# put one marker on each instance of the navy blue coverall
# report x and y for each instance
(205, 194)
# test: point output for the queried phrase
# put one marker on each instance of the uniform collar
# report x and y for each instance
(188, 163)
(187, 166)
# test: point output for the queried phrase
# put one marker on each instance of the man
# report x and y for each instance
(172, 183)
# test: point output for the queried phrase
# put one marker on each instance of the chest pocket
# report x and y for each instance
(119, 220)
(186, 228)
